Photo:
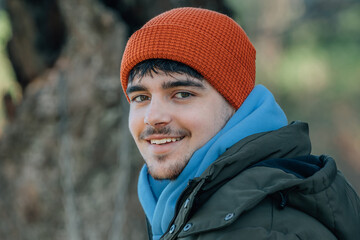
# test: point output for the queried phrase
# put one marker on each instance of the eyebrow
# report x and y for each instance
(182, 83)
(135, 88)
(168, 85)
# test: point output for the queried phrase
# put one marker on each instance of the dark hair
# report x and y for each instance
(155, 65)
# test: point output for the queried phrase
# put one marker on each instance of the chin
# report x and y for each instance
(162, 176)
(167, 169)
(165, 174)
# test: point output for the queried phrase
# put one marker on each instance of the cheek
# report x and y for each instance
(201, 123)
(136, 123)
(209, 120)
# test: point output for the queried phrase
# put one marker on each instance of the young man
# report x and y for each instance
(221, 160)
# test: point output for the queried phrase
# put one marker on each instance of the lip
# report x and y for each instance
(157, 137)
(160, 149)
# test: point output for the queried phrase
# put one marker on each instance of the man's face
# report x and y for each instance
(171, 117)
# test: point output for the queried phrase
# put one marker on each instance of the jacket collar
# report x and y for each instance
(289, 141)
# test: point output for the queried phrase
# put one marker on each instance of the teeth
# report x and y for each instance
(164, 140)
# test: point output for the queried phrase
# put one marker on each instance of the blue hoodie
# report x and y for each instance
(258, 113)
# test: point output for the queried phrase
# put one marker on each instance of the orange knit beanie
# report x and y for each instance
(211, 43)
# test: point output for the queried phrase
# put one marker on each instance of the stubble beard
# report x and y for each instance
(176, 166)
(172, 172)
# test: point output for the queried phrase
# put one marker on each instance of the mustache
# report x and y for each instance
(163, 131)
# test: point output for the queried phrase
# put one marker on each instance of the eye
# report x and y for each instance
(140, 98)
(183, 95)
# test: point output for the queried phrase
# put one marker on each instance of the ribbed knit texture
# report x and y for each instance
(211, 43)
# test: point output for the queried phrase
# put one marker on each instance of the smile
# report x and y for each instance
(164, 140)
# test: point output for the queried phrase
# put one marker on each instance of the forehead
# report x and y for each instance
(162, 81)
(156, 78)
(160, 75)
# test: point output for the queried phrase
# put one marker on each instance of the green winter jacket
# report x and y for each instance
(268, 186)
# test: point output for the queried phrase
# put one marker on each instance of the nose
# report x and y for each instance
(157, 114)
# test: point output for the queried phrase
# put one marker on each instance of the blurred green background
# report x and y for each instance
(8, 84)
(308, 54)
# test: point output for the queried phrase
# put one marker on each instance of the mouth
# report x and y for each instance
(164, 140)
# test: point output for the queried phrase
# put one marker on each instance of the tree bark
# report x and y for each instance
(68, 165)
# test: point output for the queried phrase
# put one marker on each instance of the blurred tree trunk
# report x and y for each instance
(68, 165)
